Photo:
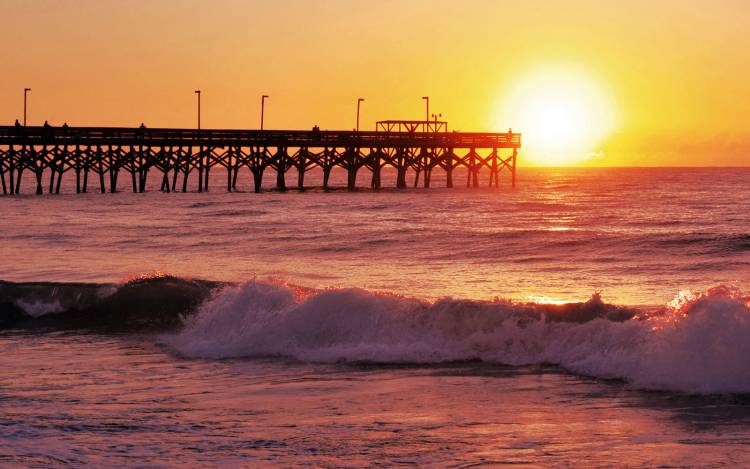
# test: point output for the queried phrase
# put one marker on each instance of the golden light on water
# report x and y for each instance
(547, 300)
(563, 111)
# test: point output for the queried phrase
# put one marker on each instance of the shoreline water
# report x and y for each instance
(124, 400)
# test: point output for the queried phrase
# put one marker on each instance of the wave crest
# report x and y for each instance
(699, 345)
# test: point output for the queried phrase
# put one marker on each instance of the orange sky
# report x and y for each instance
(677, 71)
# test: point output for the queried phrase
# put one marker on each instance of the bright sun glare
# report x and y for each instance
(562, 111)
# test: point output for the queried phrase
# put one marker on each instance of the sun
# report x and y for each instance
(562, 111)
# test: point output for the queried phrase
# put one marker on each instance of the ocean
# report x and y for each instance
(590, 317)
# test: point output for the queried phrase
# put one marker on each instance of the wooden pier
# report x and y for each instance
(105, 153)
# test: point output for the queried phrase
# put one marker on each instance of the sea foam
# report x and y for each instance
(698, 344)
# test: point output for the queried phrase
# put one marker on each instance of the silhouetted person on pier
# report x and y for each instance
(65, 125)
(17, 124)
(47, 133)
(143, 126)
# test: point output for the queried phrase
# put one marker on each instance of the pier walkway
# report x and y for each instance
(103, 153)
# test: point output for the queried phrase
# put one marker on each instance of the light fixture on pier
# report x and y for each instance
(262, 109)
(25, 97)
(198, 92)
(359, 101)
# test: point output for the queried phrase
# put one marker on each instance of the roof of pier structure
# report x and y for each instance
(411, 126)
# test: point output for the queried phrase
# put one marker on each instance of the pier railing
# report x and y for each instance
(270, 138)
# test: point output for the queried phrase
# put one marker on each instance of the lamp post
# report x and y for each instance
(262, 109)
(198, 92)
(427, 114)
(359, 101)
(435, 117)
(25, 97)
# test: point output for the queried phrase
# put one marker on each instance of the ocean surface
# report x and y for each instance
(590, 317)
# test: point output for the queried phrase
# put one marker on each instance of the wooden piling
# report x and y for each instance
(60, 167)
(301, 163)
(186, 167)
(281, 165)
(21, 161)
(376, 158)
(2, 171)
(11, 168)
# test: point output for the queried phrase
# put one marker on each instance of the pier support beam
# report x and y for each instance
(200, 169)
(301, 162)
(238, 155)
(230, 154)
(3, 157)
(401, 177)
(113, 169)
(401, 167)
(22, 158)
(351, 179)
(86, 169)
(494, 171)
(61, 157)
(100, 161)
(52, 166)
(376, 165)
(282, 163)
(39, 168)
(280, 180)
(187, 156)
(176, 168)
(257, 179)
(450, 159)
(208, 161)
(352, 163)
(11, 169)
(327, 160)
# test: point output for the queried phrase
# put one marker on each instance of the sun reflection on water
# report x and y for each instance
(547, 300)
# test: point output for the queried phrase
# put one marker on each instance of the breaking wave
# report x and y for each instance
(698, 344)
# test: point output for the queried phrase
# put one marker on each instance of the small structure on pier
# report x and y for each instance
(399, 126)
(106, 152)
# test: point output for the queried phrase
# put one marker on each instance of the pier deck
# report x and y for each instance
(105, 152)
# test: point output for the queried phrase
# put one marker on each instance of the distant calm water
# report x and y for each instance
(415, 338)
(637, 235)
